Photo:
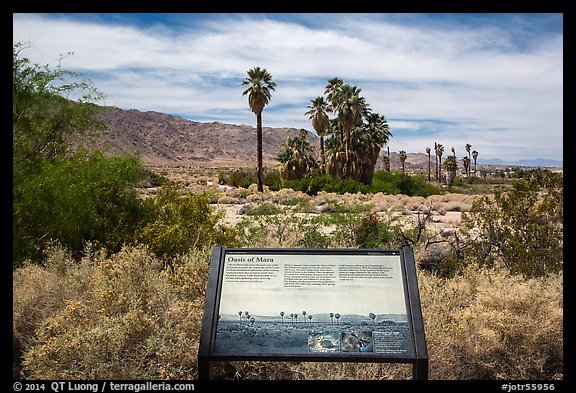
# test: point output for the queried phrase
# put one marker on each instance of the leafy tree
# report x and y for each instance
(86, 197)
(61, 195)
(43, 114)
(260, 85)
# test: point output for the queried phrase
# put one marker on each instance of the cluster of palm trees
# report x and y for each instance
(294, 317)
(451, 162)
(354, 136)
(350, 143)
(296, 160)
(249, 318)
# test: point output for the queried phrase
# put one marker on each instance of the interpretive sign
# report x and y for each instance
(313, 305)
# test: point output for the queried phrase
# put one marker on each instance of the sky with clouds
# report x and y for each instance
(492, 80)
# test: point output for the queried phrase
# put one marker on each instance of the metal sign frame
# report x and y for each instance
(210, 351)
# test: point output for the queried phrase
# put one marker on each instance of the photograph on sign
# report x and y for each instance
(341, 304)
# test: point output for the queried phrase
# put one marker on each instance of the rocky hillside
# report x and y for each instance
(166, 140)
(162, 139)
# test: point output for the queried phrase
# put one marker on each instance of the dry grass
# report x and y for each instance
(131, 316)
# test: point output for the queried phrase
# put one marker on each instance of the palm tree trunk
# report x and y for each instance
(347, 173)
(259, 150)
(322, 156)
(428, 166)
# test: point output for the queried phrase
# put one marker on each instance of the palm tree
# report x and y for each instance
(436, 160)
(373, 317)
(318, 114)
(351, 108)
(310, 318)
(331, 316)
(240, 313)
(259, 95)
(453, 151)
(282, 315)
(333, 91)
(451, 164)
(439, 152)
(295, 162)
(376, 134)
(304, 316)
(296, 318)
(475, 156)
(337, 316)
(402, 155)
(292, 318)
(428, 152)
(468, 147)
(386, 161)
(466, 163)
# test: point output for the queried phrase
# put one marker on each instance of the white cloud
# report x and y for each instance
(460, 84)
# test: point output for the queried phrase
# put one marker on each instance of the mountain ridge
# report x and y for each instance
(161, 139)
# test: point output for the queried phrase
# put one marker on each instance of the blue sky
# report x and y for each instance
(492, 80)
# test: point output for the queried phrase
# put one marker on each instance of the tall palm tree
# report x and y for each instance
(436, 161)
(260, 85)
(304, 316)
(402, 155)
(351, 108)
(318, 114)
(466, 163)
(468, 147)
(376, 134)
(331, 316)
(453, 151)
(282, 315)
(337, 316)
(475, 156)
(439, 152)
(428, 152)
(333, 91)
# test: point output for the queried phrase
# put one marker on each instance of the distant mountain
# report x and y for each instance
(535, 162)
(162, 139)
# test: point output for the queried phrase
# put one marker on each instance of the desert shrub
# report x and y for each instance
(522, 229)
(489, 324)
(374, 231)
(133, 318)
(263, 209)
(177, 223)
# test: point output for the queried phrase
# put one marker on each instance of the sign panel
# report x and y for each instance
(295, 304)
(312, 305)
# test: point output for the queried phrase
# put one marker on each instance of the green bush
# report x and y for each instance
(522, 228)
(174, 224)
(383, 181)
(86, 197)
